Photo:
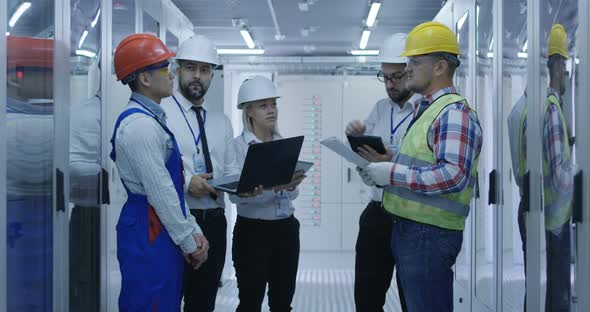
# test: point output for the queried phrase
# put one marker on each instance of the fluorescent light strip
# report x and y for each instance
(364, 52)
(95, 19)
(462, 21)
(241, 51)
(18, 13)
(247, 38)
(85, 53)
(375, 6)
(84, 34)
(364, 39)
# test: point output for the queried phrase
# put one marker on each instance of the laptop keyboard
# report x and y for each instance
(230, 186)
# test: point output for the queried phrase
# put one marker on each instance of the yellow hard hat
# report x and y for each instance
(557, 41)
(431, 37)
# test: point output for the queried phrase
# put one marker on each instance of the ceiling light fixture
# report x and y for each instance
(95, 19)
(247, 38)
(86, 53)
(364, 52)
(84, 34)
(364, 39)
(241, 51)
(18, 13)
(375, 6)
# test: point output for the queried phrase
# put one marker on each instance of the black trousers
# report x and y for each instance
(85, 259)
(373, 268)
(200, 286)
(266, 252)
(559, 253)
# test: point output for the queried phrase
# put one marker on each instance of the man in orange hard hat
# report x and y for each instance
(154, 230)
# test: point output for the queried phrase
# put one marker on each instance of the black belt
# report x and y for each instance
(207, 213)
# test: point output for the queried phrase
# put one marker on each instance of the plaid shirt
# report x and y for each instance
(455, 138)
(560, 169)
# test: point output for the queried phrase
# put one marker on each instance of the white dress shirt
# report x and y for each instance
(143, 148)
(263, 206)
(219, 140)
(379, 123)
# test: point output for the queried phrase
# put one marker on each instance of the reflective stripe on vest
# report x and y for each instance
(447, 211)
(557, 206)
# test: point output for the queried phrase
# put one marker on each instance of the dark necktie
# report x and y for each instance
(204, 146)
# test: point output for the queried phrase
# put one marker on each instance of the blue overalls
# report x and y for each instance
(151, 264)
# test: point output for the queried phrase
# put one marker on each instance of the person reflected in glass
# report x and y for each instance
(558, 173)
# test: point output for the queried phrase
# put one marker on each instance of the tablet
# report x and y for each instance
(374, 142)
(303, 166)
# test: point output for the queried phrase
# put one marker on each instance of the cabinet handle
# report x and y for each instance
(60, 200)
(348, 173)
(493, 189)
(577, 203)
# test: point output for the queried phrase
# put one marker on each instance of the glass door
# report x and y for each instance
(514, 47)
(30, 176)
(84, 159)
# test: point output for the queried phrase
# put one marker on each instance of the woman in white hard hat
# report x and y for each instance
(266, 234)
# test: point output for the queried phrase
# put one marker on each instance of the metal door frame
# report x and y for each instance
(61, 98)
(583, 149)
(3, 267)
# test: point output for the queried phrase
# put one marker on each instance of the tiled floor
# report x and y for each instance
(324, 284)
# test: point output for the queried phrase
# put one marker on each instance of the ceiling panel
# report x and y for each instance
(333, 26)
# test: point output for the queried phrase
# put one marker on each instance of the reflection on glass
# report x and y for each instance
(84, 165)
(483, 218)
(462, 83)
(150, 25)
(171, 41)
(514, 102)
(557, 175)
(123, 20)
(29, 152)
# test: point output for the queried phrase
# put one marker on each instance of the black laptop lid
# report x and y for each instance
(270, 163)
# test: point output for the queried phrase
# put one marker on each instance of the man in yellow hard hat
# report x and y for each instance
(429, 185)
(558, 173)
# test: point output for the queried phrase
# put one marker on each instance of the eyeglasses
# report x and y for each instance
(381, 76)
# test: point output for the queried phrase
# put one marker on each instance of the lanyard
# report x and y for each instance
(198, 138)
(393, 130)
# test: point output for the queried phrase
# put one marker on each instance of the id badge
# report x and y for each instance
(199, 163)
(394, 145)
(282, 205)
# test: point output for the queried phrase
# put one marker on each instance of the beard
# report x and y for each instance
(399, 95)
(194, 90)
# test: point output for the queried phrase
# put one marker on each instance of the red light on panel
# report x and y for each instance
(316, 175)
(316, 218)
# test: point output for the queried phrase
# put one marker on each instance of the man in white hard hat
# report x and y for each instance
(389, 119)
(205, 139)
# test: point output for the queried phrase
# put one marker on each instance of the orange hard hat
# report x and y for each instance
(29, 52)
(138, 51)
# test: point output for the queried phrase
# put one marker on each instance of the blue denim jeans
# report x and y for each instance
(424, 255)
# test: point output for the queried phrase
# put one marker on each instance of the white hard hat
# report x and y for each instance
(256, 88)
(392, 49)
(198, 48)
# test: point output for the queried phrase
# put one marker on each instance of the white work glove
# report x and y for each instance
(365, 177)
(379, 172)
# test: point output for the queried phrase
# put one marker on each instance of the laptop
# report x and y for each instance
(268, 164)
